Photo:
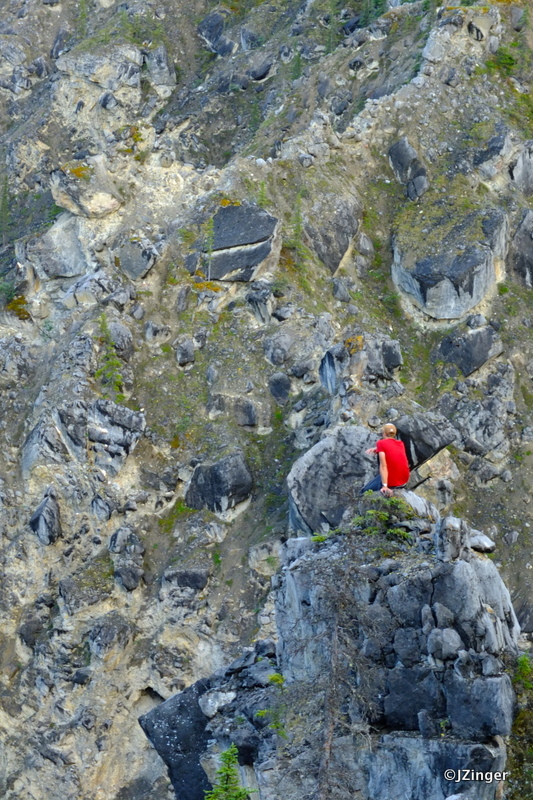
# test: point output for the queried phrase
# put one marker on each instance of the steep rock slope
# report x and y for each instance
(366, 662)
(235, 240)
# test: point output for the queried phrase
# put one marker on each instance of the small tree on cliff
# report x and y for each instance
(227, 786)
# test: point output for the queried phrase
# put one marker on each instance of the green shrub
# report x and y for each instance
(109, 373)
(383, 515)
(502, 61)
(227, 784)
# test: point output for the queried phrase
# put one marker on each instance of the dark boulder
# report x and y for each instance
(129, 576)
(243, 239)
(403, 159)
(135, 260)
(30, 630)
(481, 708)
(177, 730)
(424, 435)
(211, 31)
(221, 485)
(409, 692)
(46, 520)
(333, 222)
(408, 168)
(211, 28)
(261, 71)
(195, 579)
(471, 349)
(280, 386)
(241, 225)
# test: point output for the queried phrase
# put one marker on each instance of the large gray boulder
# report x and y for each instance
(408, 168)
(470, 349)
(332, 223)
(220, 486)
(448, 283)
(58, 252)
(135, 259)
(245, 238)
(424, 435)
(324, 482)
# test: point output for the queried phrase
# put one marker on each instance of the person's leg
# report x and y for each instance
(373, 486)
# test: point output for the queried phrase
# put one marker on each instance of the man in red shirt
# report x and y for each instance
(393, 465)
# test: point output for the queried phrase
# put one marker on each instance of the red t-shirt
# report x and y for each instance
(396, 458)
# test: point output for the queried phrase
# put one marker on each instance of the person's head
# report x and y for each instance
(389, 431)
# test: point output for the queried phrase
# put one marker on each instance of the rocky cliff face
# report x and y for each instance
(381, 658)
(234, 240)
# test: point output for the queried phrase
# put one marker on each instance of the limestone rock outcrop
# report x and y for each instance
(424, 643)
(464, 267)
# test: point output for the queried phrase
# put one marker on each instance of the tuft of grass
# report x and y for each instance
(178, 511)
(108, 373)
(502, 61)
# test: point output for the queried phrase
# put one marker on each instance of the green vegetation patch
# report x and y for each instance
(180, 510)
(380, 515)
(108, 373)
(520, 748)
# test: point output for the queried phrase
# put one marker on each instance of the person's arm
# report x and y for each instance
(383, 471)
(371, 451)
